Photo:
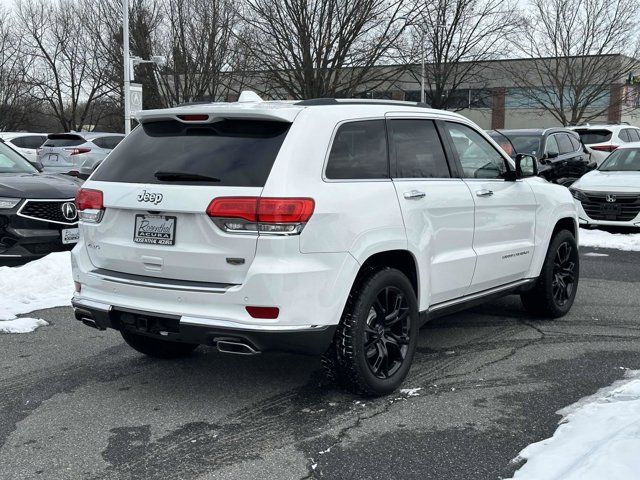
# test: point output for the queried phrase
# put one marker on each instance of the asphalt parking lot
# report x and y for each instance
(78, 403)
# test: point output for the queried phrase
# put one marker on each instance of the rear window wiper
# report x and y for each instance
(184, 176)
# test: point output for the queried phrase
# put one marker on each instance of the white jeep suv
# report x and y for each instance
(323, 227)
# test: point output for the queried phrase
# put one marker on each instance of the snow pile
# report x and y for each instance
(602, 239)
(40, 284)
(599, 437)
(21, 325)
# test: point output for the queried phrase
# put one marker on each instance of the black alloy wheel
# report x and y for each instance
(386, 333)
(563, 274)
(555, 290)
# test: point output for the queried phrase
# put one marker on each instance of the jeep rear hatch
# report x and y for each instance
(157, 185)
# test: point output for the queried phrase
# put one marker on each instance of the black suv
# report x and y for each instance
(561, 155)
(37, 211)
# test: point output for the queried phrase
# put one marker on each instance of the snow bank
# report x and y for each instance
(21, 325)
(602, 239)
(599, 437)
(43, 283)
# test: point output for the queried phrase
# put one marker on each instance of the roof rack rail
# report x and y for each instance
(591, 124)
(312, 102)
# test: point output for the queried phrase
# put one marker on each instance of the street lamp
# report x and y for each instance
(412, 23)
(129, 62)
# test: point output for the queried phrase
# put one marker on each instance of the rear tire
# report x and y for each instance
(154, 347)
(377, 335)
(556, 287)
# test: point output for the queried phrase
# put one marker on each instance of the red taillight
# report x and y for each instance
(264, 214)
(194, 118)
(234, 207)
(603, 148)
(78, 151)
(285, 210)
(267, 313)
(89, 199)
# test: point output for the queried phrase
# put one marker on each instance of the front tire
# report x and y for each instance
(556, 287)
(157, 348)
(377, 336)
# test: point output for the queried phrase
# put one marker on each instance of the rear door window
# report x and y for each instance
(589, 137)
(417, 149)
(29, 141)
(624, 135)
(237, 153)
(564, 143)
(359, 151)
(577, 146)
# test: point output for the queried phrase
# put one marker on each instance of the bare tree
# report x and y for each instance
(576, 46)
(320, 48)
(198, 42)
(454, 38)
(66, 73)
(15, 101)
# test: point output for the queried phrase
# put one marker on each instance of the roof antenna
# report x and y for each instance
(248, 96)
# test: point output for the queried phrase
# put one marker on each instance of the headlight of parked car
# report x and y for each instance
(6, 203)
(578, 194)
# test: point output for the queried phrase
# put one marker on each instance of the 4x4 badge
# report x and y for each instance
(154, 198)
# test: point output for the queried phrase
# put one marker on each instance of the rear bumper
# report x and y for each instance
(310, 340)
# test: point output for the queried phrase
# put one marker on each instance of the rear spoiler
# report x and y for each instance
(211, 113)
(62, 136)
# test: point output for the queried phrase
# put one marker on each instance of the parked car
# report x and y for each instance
(610, 195)
(602, 139)
(77, 152)
(25, 143)
(37, 212)
(561, 156)
(304, 227)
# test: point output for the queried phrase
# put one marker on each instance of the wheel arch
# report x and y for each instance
(400, 259)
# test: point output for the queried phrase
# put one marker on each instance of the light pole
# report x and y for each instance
(127, 67)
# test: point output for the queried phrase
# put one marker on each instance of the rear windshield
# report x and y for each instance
(64, 141)
(239, 153)
(594, 136)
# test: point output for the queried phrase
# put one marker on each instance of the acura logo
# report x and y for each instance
(69, 211)
(611, 198)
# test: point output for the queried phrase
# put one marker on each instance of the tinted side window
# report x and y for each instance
(634, 135)
(577, 146)
(240, 153)
(100, 141)
(418, 150)
(553, 150)
(478, 157)
(112, 142)
(359, 151)
(624, 135)
(564, 143)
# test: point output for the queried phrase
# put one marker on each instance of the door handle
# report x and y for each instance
(484, 192)
(414, 195)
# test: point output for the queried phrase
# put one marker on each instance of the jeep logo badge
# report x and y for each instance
(611, 198)
(154, 198)
(69, 211)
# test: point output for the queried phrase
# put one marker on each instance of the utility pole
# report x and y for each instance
(127, 67)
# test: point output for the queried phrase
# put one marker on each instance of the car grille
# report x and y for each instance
(49, 211)
(594, 206)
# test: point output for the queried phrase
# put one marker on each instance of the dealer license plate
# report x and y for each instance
(70, 235)
(155, 230)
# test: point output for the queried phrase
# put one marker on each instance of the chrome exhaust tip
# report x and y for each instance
(235, 347)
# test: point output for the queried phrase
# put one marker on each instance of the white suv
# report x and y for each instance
(323, 226)
(601, 139)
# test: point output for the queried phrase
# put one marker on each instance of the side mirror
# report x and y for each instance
(526, 165)
(551, 154)
(38, 166)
